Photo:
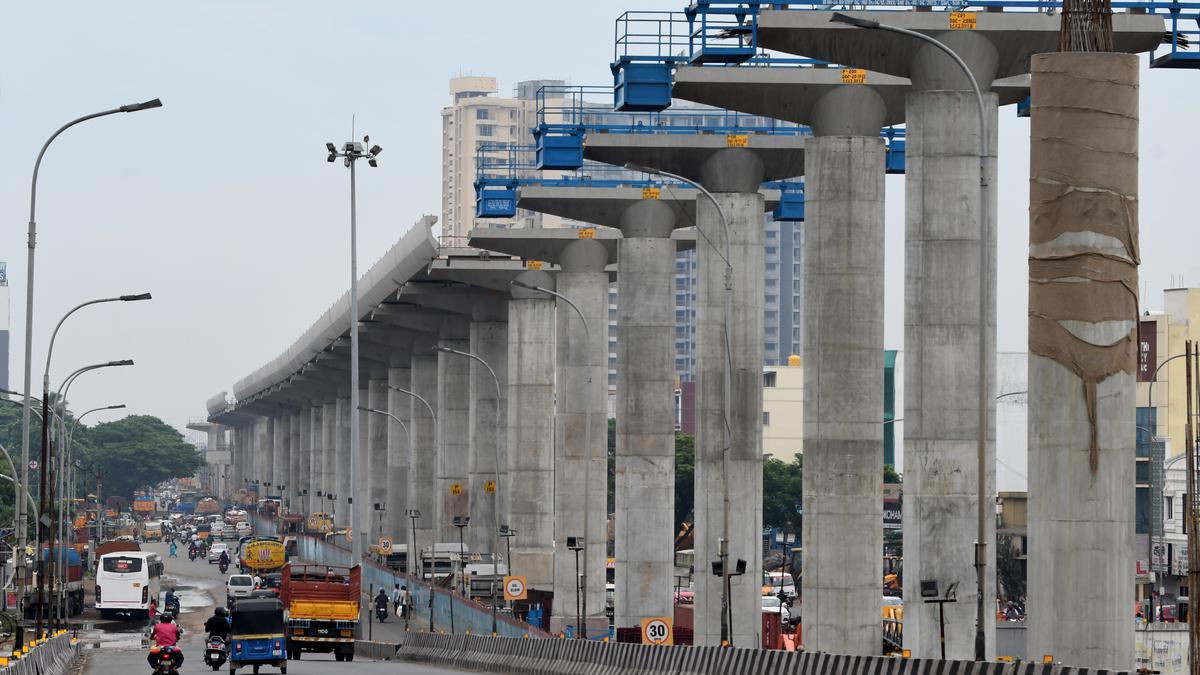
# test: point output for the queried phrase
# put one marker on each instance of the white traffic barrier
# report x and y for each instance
(579, 657)
(50, 657)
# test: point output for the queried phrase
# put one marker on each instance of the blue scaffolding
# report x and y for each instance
(724, 33)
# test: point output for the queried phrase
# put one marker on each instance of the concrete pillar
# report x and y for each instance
(454, 430)
(235, 459)
(941, 344)
(315, 469)
(279, 439)
(530, 485)
(399, 453)
(580, 468)
(361, 492)
(376, 470)
(298, 475)
(1083, 309)
(342, 488)
(422, 471)
(329, 441)
(734, 176)
(488, 417)
(843, 363)
(264, 453)
(645, 461)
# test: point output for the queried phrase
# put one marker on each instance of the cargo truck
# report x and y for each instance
(321, 607)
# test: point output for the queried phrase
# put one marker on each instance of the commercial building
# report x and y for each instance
(783, 410)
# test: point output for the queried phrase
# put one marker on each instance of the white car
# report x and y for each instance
(772, 605)
(239, 586)
(215, 551)
(229, 532)
(243, 528)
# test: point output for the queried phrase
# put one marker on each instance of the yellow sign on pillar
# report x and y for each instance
(533, 264)
(656, 630)
(587, 233)
(489, 487)
(854, 76)
(737, 141)
(651, 192)
(962, 20)
(456, 489)
(515, 589)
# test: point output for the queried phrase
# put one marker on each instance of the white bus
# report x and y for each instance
(126, 582)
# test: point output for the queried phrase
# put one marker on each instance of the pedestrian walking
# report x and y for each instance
(397, 601)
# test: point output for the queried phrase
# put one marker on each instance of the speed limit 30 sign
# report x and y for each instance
(657, 631)
(514, 589)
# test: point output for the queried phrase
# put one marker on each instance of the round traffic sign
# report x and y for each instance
(33, 465)
(385, 544)
(514, 588)
(656, 631)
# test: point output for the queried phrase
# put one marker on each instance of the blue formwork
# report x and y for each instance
(641, 87)
(1023, 107)
(558, 150)
(893, 158)
(791, 207)
(495, 201)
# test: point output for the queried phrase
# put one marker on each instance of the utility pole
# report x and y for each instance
(1190, 516)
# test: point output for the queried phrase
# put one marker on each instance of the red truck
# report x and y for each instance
(321, 609)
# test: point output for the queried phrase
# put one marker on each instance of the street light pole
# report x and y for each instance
(727, 394)
(45, 519)
(413, 515)
(984, 285)
(587, 442)
(351, 152)
(495, 480)
(32, 243)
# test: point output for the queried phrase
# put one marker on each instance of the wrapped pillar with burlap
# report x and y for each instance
(1083, 304)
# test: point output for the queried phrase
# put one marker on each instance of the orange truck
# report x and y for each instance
(321, 605)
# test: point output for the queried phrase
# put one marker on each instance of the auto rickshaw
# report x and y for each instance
(257, 638)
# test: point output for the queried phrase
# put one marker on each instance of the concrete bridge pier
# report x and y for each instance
(843, 357)
(376, 469)
(264, 445)
(343, 490)
(329, 440)
(488, 412)
(454, 439)
(400, 454)
(942, 240)
(645, 461)
(281, 433)
(581, 470)
(531, 471)
(422, 471)
(313, 470)
(728, 482)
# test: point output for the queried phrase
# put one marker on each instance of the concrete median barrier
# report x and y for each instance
(579, 657)
(51, 657)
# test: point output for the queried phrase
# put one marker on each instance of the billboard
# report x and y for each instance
(1147, 350)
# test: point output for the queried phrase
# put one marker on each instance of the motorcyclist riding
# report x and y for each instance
(224, 559)
(171, 601)
(381, 604)
(166, 636)
(218, 624)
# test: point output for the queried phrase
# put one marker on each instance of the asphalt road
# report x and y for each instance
(118, 647)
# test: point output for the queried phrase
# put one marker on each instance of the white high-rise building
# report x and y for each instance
(475, 117)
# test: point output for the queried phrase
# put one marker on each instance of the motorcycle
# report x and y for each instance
(223, 566)
(215, 652)
(381, 613)
(162, 659)
(192, 554)
(172, 606)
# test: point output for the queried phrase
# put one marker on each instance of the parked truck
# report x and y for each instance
(321, 609)
(69, 590)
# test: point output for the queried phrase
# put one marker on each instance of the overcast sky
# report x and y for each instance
(222, 205)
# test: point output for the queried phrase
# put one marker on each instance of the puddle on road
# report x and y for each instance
(193, 596)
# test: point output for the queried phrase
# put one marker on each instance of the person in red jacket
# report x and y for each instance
(166, 636)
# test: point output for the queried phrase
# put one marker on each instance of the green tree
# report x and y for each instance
(137, 452)
(783, 492)
(890, 475)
